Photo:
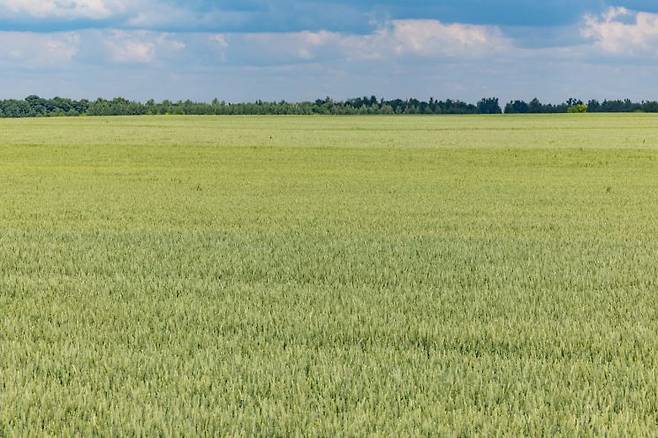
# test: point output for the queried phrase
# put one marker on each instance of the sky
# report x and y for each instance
(244, 50)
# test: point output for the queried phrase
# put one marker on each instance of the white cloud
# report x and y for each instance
(284, 47)
(219, 39)
(220, 45)
(399, 38)
(432, 38)
(124, 14)
(63, 9)
(36, 50)
(140, 47)
(131, 51)
(620, 31)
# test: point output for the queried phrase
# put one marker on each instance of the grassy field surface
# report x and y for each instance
(329, 276)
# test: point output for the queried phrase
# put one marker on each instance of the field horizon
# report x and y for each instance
(329, 275)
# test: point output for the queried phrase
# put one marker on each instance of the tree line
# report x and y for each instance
(35, 106)
(576, 105)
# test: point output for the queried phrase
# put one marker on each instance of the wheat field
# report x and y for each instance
(329, 276)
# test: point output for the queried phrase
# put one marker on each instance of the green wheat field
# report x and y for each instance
(329, 276)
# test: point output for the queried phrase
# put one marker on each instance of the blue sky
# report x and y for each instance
(304, 49)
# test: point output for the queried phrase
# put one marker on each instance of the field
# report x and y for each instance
(329, 276)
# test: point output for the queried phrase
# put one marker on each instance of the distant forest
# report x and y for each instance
(35, 106)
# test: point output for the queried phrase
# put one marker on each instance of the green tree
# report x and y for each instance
(578, 108)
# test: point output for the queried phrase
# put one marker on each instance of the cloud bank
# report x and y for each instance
(297, 49)
(624, 32)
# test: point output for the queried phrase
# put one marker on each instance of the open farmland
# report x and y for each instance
(329, 276)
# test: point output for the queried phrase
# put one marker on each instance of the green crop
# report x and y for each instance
(343, 276)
